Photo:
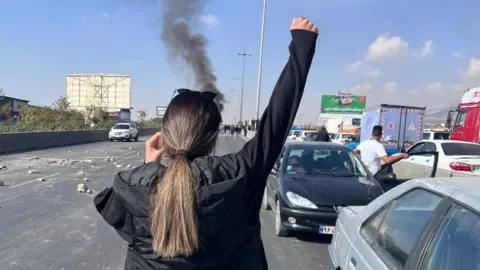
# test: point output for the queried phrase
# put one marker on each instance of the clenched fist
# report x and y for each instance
(301, 23)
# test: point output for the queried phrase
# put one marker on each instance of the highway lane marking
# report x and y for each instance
(13, 197)
(33, 180)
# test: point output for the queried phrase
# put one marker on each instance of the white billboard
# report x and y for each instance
(111, 92)
(161, 111)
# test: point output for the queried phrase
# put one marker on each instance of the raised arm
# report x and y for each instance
(258, 156)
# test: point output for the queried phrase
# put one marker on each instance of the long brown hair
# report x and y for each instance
(191, 124)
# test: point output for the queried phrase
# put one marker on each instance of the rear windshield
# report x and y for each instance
(461, 149)
(441, 136)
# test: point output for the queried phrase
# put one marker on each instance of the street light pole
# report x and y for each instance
(243, 83)
(260, 61)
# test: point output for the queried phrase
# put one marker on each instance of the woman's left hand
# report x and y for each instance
(153, 151)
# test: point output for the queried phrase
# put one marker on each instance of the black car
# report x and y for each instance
(310, 184)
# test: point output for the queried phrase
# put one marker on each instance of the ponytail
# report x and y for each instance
(173, 215)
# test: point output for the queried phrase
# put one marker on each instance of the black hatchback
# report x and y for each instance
(311, 182)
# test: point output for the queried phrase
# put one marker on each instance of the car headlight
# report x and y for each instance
(300, 201)
(126, 132)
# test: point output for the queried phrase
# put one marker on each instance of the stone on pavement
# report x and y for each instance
(3, 167)
(33, 172)
(40, 179)
(82, 188)
(2, 183)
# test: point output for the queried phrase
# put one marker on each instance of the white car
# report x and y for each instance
(453, 156)
(436, 135)
(431, 224)
(123, 131)
(341, 138)
(299, 135)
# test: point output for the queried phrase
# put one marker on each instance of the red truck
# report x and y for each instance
(464, 122)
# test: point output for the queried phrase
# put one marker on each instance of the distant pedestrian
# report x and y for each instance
(322, 135)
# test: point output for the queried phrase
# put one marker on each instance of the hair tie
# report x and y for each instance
(182, 152)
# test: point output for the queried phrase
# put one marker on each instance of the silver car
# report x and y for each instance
(430, 223)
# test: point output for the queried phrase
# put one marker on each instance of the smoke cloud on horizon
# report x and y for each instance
(178, 22)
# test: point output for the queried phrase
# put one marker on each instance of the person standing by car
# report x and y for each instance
(372, 151)
(202, 211)
(322, 135)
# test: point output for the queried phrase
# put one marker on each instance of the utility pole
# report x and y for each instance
(234, 107)
(235, 122)
(260, 61)
(244, 55)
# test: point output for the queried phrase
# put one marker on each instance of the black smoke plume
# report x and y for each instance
(179, 17)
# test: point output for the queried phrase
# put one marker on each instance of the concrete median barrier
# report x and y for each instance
(17, 142)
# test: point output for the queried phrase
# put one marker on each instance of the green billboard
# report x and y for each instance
(343, 103)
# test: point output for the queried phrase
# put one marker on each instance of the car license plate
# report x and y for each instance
(326, 230)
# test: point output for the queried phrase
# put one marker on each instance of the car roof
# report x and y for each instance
(324, 145)
(447, 141)
(463, 189)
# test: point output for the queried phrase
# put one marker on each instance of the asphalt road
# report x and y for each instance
(48, 225)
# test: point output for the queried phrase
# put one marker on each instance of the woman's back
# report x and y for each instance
(227, 190)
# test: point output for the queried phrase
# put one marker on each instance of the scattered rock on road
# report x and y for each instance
(82, 188)
(41, 179)
(85, 179)
(3, 168)
(33, 172)
(2, 183)
(80, 173)
(130, 148)
(129, 166)
(119, 166)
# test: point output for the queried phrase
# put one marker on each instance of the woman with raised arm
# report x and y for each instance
(201, 211)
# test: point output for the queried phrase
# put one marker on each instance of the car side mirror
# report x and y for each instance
(387, 177)
(403, 150)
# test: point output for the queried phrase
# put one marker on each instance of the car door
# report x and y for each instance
(273, 181)
(388, 237)
(455, 243)
(421, 163)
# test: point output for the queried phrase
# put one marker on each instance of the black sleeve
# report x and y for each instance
(109, 207)
(258, 156)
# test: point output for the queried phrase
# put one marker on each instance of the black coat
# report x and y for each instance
(323, 136)
(230, 187)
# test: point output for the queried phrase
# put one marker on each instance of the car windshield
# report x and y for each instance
(426, 136)
(121, 126)
(461, 149)
(319, 160)
(346, 136)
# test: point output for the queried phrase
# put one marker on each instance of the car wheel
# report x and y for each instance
(136, 138)
(280, 230)
(266, 206)
(129, 138)
(111, 140)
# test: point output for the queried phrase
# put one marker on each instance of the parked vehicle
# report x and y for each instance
(464, 122)
(300, 134)
(312, 181)
(422, 224)
(402, 126)
(123, 131)
(454, 156)
(436, 135)
(341, 138)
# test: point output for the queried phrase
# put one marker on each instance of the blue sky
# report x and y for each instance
(391, 51)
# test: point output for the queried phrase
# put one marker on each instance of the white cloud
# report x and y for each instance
(473, 69)
(457, 54)
(390, 86)
(106, 15)
(385, 47)
(427, 49)
(210, 20)
(364, 69)
(359, 89)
